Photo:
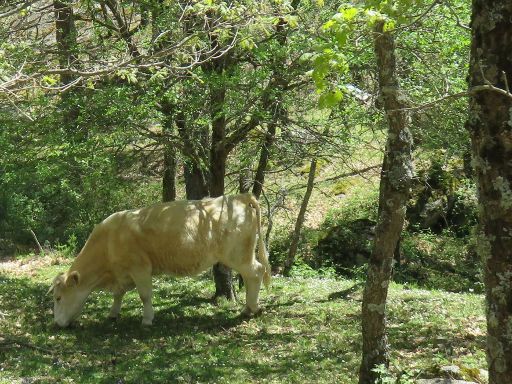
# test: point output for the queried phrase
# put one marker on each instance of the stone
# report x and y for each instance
(443, 381)
(451, 371)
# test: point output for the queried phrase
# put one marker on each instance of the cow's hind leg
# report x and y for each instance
(252, 276)
(116, 305)
(144, 287)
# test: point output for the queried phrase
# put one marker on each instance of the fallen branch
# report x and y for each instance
(41, 250)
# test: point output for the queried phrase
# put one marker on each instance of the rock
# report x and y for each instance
(452, 371)
(348, 245)
(443, 381)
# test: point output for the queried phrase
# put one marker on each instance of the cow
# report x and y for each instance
(181, 238)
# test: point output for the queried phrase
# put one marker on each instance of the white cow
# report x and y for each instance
(180, 238)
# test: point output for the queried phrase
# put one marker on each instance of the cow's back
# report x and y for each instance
(182, 237)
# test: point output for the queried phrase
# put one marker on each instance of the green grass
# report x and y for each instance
(308, 333)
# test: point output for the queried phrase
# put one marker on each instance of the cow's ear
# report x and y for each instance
(73, 279)
(57, 281)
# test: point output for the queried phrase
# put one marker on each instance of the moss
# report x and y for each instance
(503, 186)
(345, 185)
(483, 246)
(502, 289)
(377, 308)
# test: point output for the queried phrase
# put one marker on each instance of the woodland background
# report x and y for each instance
(110, 105)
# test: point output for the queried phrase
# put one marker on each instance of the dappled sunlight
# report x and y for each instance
(308, 331)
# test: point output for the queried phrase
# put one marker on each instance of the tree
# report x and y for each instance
(396, 175)
(489, 124)
(290, 259)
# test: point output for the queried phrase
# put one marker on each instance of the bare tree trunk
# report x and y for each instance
(395, 183)
(169, 163)
(167, 108)
(489, 124)
(196, 186)
(222, 275)
(65, 36)
(218, 156)
(259, 178)
(169, 174)
(290, 259)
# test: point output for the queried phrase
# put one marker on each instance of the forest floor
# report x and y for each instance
(307, 333)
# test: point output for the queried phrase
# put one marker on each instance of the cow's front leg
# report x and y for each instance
(116, 305)
(144, 287)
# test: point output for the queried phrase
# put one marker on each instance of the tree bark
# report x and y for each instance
(290, 259)
(66, 38)
(218, 156)
(259, 178)
(196, 186)
(168, 109)
(489, 124)
(169, 175)
(395, 183)
(169, 163)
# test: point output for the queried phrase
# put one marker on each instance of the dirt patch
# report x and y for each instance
(29, 265)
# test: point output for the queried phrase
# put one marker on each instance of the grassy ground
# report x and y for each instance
(308, 333)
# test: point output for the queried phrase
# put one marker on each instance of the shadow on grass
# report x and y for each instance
(344, 294)
(192, 341)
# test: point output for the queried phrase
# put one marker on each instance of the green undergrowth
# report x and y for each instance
(309, 332)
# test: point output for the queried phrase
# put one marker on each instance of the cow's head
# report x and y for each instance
(68, 297)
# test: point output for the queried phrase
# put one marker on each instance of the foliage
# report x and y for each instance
(441, 261)
(67, 181)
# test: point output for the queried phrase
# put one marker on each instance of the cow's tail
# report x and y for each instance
(262, 251)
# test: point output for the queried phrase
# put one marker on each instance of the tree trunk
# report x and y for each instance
(395, 183)
(489, 124)
(222, 274)
(196, 186)
(169, 176)
(290, 259)
(218, 155)
(65, 36)
(169, 167)
(259, 178)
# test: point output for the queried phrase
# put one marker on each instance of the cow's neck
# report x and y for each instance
(91, 271)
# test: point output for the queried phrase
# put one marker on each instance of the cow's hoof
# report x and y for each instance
(248, 313)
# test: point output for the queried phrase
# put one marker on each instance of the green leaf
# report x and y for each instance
(350, 13)
(330, 99)
(49, 80)
(292, 21)
(389, 25)
(328, 25)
